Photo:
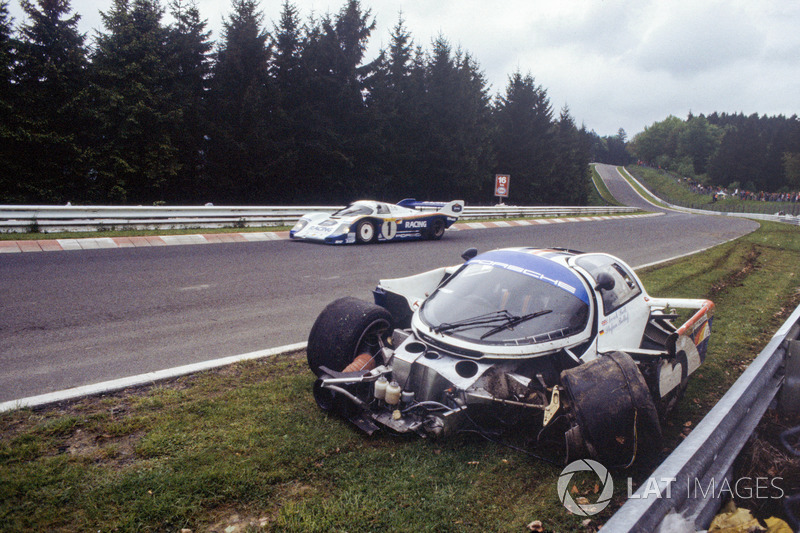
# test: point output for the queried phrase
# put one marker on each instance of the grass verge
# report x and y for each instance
(244, 448)
(667, 186)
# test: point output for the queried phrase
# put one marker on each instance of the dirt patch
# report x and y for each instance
(735, 279)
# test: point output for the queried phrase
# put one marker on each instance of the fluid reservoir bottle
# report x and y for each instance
(393, 393)
(380, 388)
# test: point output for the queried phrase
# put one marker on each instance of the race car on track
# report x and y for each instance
(556, 348)
(368, 221)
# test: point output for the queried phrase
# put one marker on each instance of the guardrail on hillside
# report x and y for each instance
(48, 219)
(785, 218)
(695, 475)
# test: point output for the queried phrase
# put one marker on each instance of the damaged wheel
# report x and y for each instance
(615, 418)
(345, 329)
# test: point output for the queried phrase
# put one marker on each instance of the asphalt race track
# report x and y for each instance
(81, 317)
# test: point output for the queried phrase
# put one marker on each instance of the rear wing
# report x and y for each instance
(453, 209)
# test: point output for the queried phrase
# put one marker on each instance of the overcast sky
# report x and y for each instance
(616, 64)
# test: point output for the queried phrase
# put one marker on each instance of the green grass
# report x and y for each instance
(246, 445)
(638, 187)
(667, 186)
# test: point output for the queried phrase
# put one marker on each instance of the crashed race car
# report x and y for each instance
(367, 221)
(547, 346)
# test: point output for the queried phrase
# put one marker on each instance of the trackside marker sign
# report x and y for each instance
(501, 185)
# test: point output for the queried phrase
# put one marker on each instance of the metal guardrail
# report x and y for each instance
(48, 219)
(788, 219)
(705, 458)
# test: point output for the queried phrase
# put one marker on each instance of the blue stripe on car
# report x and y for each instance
(537, 267)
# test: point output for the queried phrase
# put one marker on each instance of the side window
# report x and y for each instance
(382, 209)
(624, 287)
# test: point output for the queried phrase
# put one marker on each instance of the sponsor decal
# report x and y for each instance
(417, 224)
(457, 208)
(320, 229)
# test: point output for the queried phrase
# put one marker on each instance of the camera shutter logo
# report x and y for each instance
(585, 509)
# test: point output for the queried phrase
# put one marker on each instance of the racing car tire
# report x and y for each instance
(617, 421)
(365, 232)
(346, 328)
(436, 230)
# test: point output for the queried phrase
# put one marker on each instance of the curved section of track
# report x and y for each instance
(76, 318)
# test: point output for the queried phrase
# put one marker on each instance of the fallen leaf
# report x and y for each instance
(536, 525)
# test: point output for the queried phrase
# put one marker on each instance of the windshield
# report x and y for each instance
(497, 305)
(353, 210)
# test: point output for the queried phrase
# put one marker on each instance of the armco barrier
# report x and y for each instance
(690, 484)
(787, 219)
(48, 219)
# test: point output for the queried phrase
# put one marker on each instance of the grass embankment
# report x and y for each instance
(666, 186)
(247, 445)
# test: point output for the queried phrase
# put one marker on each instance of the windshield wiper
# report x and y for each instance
(475, 321)
(514, 321)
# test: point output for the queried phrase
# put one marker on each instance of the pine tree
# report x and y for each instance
(524, 140)
(395, 100)
(570, 168)
(456, 155)
(189, 48)
(52, 107)
(337, 136)
(9, 134)
(136, 154)
(242, 105)
(292, 109)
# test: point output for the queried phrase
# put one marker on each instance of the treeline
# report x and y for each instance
(755, 153)
(287, 114)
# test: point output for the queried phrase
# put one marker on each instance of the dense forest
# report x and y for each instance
(288, 112)
(754, 153)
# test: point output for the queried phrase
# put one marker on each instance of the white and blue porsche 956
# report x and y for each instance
(544, 347)
(368, 221)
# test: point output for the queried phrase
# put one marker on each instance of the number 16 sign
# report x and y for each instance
(501, 185)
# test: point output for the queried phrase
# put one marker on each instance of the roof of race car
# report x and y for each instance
(548, 266)
(374, 205)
